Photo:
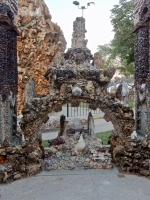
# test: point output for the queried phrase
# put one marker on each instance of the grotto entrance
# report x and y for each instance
(74, 85)
(75, 77)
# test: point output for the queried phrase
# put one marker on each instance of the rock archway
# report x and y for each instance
(74, 79)
(73, 85)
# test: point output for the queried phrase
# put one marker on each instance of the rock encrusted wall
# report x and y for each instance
(8, 71)
(39, 42)
(73, 85)
(20, 161)
(78, 36)
(142, 72)
(132, 155)
(138, 4)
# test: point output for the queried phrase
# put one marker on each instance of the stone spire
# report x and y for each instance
(79, 31)
(78, 55)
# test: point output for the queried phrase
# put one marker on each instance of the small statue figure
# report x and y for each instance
(91, 125)
(122, 93)
(142, 126)
(125, 93)
(80, 146)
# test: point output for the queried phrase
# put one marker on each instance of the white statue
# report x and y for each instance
(80, 146)
(125, 93)
(122, 93)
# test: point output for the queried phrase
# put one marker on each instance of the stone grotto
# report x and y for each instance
(49, 77)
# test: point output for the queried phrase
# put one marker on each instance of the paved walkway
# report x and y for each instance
(83, 185)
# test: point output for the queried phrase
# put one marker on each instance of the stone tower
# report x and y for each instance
(78, 36)
(8, 71)
(79, 55)
(142, 66)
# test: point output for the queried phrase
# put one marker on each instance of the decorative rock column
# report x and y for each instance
(79, 55)
(142, 67)
(79, 31)
(8, 72)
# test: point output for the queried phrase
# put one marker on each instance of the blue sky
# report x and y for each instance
(98, 25)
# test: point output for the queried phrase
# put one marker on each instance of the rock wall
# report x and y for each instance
(73, 85)
(39, 42)
(138, 4)
(8, 72)
(132, 156)
(20, 161)
(142, 72)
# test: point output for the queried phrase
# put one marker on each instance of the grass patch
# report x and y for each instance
(131, 104)
(104, 136)
(45, 144)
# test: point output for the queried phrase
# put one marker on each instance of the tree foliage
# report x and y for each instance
(120, 51)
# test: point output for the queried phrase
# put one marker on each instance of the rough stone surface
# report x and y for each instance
(8, 72)
(138, 4)
(38, 44)
(142, 74)
(78, 39)
(64, 156)
(61, 82)
(132, 156)
(20, 161)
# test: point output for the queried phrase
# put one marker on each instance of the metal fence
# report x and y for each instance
(82, 110)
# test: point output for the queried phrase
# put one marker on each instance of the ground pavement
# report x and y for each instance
(78, 185)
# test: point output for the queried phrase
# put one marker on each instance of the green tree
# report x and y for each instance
(107, 56)
(122, 19)
(121, 48)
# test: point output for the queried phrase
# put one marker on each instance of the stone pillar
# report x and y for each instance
(79, 31)
(78, 55)
(8, 71)
(142, 67)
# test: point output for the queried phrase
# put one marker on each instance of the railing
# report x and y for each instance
(82, 110)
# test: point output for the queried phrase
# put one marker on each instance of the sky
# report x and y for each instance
(98, 25)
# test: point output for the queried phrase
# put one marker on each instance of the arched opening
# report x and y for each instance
(74, 86)
(120, 116)
(76, 114)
